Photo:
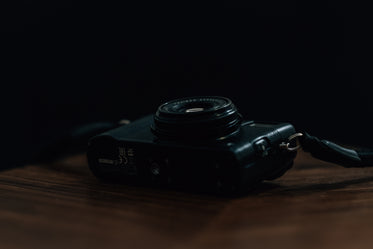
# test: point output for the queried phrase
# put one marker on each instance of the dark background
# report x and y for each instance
(72, 62)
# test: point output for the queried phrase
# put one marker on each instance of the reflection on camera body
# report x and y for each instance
(199, 144)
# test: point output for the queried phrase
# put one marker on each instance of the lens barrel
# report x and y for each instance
(205, 117)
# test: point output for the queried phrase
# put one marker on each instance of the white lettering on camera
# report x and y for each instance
(106, 161)
(125, 157)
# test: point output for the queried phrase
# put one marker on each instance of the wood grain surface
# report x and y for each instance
(62, 205)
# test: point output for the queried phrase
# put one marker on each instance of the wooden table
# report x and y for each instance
(62, 205)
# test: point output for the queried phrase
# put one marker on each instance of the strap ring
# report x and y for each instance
(286, 145)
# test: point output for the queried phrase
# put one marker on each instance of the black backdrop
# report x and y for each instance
(73, 62)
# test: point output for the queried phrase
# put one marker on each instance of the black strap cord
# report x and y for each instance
(334, 153)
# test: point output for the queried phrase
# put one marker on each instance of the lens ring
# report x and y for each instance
(199, 117)
(204, 104)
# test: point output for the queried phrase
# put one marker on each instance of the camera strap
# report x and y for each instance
(334, 153)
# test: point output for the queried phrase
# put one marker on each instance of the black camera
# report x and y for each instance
(200, 144)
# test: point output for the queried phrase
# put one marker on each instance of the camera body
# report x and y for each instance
(204, 149)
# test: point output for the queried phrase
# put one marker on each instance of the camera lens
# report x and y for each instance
(197, 118)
